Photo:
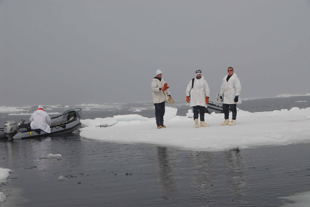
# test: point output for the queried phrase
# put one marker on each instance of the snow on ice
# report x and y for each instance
(280, 127)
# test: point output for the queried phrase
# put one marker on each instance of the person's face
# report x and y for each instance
(159, 75)
(198, 76)
(230, 71)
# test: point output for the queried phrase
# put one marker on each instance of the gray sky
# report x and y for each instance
(107, 51)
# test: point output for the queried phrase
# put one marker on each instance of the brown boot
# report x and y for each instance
(203, 124)
(232, 123)
(226, 122)
(196, 123)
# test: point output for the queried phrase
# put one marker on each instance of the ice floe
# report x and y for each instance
(280, 127)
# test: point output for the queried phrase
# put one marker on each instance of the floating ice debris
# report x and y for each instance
(61, 178)
(2, 197)
(4, 174)
(53, 156)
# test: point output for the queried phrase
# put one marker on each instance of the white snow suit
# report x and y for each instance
(40, 120)
(159, 96)
(199, 92)
(230, 89)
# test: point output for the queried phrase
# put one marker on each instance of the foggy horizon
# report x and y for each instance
(84, 52)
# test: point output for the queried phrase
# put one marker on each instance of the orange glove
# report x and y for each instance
(165, 87)
(187, 99)
(207, 100)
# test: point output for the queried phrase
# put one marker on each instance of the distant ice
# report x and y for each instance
(52, 156)
(9, 109)
(29, 114)
(292, 95)
(297, 200)
(137, 110)
(98, 106)
(280, 127)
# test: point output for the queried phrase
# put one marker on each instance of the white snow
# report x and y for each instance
(280, 127)
(4, 174)
(297, 200)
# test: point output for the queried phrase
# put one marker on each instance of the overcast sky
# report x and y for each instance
(107, 51)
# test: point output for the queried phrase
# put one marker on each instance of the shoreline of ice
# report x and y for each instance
(297, 200)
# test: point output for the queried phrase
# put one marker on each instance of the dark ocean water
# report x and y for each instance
(108, 174)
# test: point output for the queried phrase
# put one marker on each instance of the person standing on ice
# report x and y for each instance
(40, 120)
(197, 94)
(160, 95)
(229, 95)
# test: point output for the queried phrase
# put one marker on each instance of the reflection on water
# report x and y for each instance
(165, 173)
(203, 177)
(133, 175)
(235, 174)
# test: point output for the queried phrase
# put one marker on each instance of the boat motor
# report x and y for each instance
(10, 128)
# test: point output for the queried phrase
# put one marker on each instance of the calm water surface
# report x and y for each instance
(109, 174)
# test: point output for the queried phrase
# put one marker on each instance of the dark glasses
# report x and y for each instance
(229, 70)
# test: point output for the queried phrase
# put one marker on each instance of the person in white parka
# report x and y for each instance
(40, 120)
(160, 94)
(229, 94)
(197, 94)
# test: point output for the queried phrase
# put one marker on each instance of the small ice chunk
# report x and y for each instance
(4, 174)
(2, 197)
(53, 156)
(61, 178)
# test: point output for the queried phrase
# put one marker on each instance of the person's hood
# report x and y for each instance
(232, 77)
(40, 108)
(158, 72)
(202, 77)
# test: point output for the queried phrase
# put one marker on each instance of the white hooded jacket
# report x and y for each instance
(199, 92)
(159, 96)
(40, 120)
(230, 89)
